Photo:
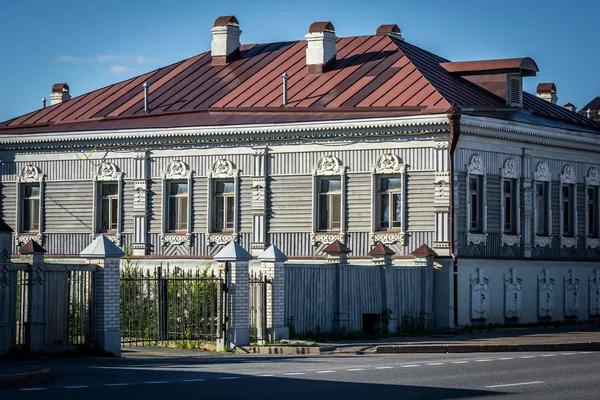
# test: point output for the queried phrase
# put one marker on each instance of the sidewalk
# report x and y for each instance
(564, 338)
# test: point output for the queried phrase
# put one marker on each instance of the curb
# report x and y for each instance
(42, 375)
(283, 350)
(486, 348)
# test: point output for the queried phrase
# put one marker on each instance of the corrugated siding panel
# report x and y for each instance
(359, 243)
(200, 165)
(461, 205)
(66, 243)
(199, 197)
(359, 203)
(493, 203)
(493, 161)
(420, 201)
(292, 244)
(154, 204)
(128, 192)
(291, 204)
(69, 206)
(364, 294)
(245, 204)
(8, 200)
(66, 170)
(309, 292)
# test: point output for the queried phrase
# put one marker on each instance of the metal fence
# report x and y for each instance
(257, 307)
(162, 305)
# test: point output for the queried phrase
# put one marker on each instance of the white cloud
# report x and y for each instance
(118, 69)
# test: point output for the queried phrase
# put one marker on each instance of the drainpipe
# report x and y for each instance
(454, 115)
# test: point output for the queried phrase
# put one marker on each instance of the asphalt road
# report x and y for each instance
(557, 375)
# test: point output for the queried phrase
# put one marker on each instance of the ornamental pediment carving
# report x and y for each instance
(223, 168)
(475, 166)
(593, 178)
(329, 165)
(31, 173)
(177, 169)
(388, 163)
(568, 175)
(509, 170)
(542, 172)
(107, 171)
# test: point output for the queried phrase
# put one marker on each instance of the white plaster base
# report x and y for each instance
(109, 341)
(234, 337)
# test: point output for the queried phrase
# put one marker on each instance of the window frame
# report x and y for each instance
(328, 166)
(107, 173)
(475, 168)
(30, 175)
(222, 169)
(225, 195)
(543, 176)
(510, 173)
(399, 194)
(176, 171)
(592, 181)
(568, 180)
(172, 226)
(328, 196)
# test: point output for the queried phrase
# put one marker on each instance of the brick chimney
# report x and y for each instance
(60, 93)
(225, 46)
(321, 50)
(547, 91)
(570, 107)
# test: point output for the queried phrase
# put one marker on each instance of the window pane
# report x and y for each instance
(178, 188)
(335, 211)
(384, 207)
(32, 190)
(330, 185)
(230, 212)
(104, 216)
(224, 187)
(219, 213)
(539, 190)
(473, 184)
(508, 214)
(109, 189)
(35, 215)
(566, 192)
(474, 211)
(172, 213)
(323, 212)
(182, 213)
(113, 214)
(566, 219)
(397, 220)
(507, 187)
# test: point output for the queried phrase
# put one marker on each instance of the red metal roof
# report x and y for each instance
(524, 65)
(546, 88)
(424, 251)
(592, 105)
(381, 250)
(336, 247)
(373, 76)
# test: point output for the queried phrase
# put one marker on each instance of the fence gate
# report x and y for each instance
(257, 307)
(163, 305)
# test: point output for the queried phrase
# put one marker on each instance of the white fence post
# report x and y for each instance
(106, 255)
(273, 266)
(237, 331)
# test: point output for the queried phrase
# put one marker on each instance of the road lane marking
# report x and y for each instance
(295, 373)
(586, 352)
(324, 372)
(384, 367)
(435, 364)
(459, 362)
(568, 354)
(155, 382)
(117, 384)
(75, 387)
(505, 358)
(355, 369)
(548, 355)
(484, 360)
(410, 366)
(515, 384)
(32, 389)
(193, 380)
(228, 378)
(264, 375)
(528, 357)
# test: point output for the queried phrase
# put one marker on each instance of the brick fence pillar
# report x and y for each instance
(235, 259)
(337, 254)
(106, 255)
(273, 266)
(35, 329)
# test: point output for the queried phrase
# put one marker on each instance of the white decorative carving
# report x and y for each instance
(594, 293)
(329, 165)
(568, 175)
(476, 238)
(116, 239)
(214, 239)
(542, 172)
(545, 294)
(509, 170)
(176, 239)
(21, 240)
(107, 171)
(388, 238)
(593, 178)
(568, 241)
(177, 170)
(512, 299)
(140, 184)
(31, 173)
(327, 238)
(511, 240)
(480, 296)
(388, 163)
(571, 295)
(543, 241)
(475, 166)
(223, 168)
(592, 243)
(259, 151)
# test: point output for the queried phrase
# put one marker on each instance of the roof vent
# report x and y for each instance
(60, 93)
(389, 29)
(514, 91)
(321, 49)
(547, 91)
(225, 46)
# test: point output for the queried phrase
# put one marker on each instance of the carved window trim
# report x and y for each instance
(107, 172)
(176, 170)
(388, 165)
(30, 174)
(592, 181)
(328, 166)
(476, 168)
(542, 175)
(222, 169)
(568, 180)
(509, 172)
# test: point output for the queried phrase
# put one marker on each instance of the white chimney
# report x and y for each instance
(321, 46)
(60, 93)
(225, 46)
(547, 91)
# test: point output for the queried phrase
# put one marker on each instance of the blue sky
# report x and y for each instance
(90, 44)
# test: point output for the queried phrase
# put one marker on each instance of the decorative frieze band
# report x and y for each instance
(543, 241)
(176, 240)
(220, 239)
(23, 239)
(388, 238)
(327, 238)
(476, 238)
(568, 242)
(511, 240)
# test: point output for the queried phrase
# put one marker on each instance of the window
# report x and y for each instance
(329, 204)
(568, 220)
(475, 211)
(390, 203)
(224, 205)
(177, 207)
(510, 206)
(592, 211)
(109, 206)
(30, 208)
(541, 207)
